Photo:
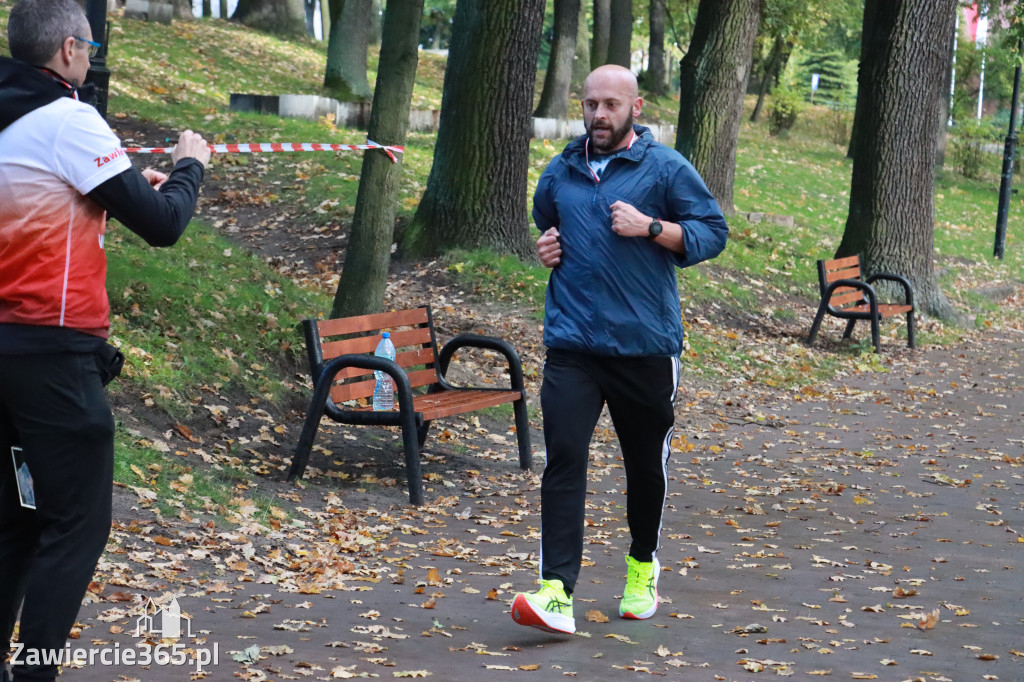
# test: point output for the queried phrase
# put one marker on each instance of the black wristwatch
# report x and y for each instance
(654, 229)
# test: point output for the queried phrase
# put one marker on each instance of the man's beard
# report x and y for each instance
(614, 140)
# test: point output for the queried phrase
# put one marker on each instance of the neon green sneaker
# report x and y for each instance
(640, 598)
(549, 608)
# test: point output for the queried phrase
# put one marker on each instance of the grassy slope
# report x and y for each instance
(205, 318)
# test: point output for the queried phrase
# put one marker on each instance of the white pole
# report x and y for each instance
(981, 40)
(952, 78)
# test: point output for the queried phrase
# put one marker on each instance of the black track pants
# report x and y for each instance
(639, 392)
(55, 407)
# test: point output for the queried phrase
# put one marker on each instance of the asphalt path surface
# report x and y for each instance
(867, 529)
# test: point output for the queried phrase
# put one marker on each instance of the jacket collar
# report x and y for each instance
(575, 153)
(25, 88)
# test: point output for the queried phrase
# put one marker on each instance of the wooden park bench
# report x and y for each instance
(845, 295)
(342, 363)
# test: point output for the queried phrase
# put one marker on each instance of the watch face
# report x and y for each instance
(654, 229)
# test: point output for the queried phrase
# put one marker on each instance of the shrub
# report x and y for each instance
(969, 142)
(783, 110)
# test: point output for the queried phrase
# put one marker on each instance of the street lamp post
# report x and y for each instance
(99, 74)
(1007, 176)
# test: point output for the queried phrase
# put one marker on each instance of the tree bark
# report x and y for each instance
(476, 191)
(284, 17)
(345, 75)
(554, 98)
(891, 218)
(867, 38)
(376, 23)
(365, 274)
(657, 82)
(712, 81)
(581, 61)
(620, 35)
(602, 27)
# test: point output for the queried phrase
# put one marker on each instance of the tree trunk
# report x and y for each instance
(602, 27)
(376, 19)
(183, 10)
(620, 35)
(365, 275)
(325, 19)
(712, 81)
(310, 8)
(943, 95)
(345, 76)
(891, 218)
(657, 83)
(867, 38)
(284, 17)
(207, 9)
(776, 62)
(554, 98)
(476, 192)
(581, 61)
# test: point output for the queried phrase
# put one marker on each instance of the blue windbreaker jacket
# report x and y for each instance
(615, 295)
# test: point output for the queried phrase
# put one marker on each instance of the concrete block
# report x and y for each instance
(549, 128)
(424, 120)
(310, 107)
(149, 10)
(352, 114)
(260, 104)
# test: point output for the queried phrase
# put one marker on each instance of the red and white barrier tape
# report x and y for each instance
(277, 147)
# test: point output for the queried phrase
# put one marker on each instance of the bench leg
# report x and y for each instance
(849, 329)
(413, 470)
(817, 322)
(309, 428)
(876, 337)
(421, 433)
(910, 330)
(523, 434)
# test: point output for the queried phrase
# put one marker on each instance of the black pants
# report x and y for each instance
(639, 392)
(55, 407)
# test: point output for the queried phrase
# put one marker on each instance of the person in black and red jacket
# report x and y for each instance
(62, 173)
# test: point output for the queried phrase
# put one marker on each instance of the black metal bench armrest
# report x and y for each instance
(908, 290)
(329, 370)
(515, 366)
(868, 290)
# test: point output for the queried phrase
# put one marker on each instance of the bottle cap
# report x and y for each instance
(386, 335)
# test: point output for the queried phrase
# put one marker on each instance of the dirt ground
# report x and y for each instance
(870, 528)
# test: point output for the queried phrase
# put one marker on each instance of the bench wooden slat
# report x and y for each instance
(847, 273)
(374, 321)
(449, 403)
(368, 344)
(413, 358)
(364, 389)
(847, 262)
(884, 309)
(846, 297)
(438, 405)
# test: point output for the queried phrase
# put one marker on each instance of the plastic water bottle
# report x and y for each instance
(384, 391)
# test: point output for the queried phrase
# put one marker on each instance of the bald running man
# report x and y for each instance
(618, 213)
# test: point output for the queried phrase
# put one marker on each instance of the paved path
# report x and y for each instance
(811, 545)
